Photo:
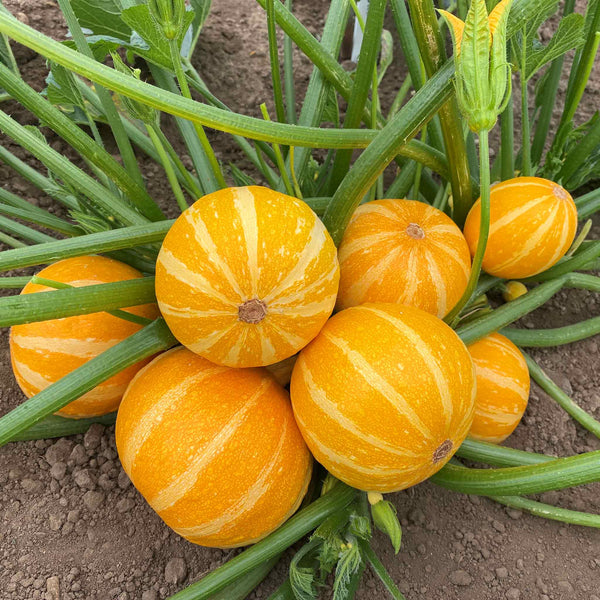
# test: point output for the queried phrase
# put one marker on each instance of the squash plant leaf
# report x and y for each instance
(349, 567)
(100, 45)
(331, 110)
(101, 17)
(303, 574)
(146, 39)
(62, 88)
(569, 35)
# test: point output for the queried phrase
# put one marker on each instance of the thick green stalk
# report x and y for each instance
(381, 571)
(39, 218)
(484, 227)
(588, 204)
(93, 243)
(543, 338)
(24, 232)
(54, 426)
(562, 399)
(11, 241)
(552, 475)
(16, 310)
(168, 167)
(185, 91)
(146, 342)
(279, 160)
(507, 143)
(363, 80)
(114, 120)
(433, 54)
(371, 163)
(74, 176)
(539, 509)
(10, 199)
(13, 283)
(499, 456)
(288, 73)
(274, 60)
(297, 527)
(78, 139)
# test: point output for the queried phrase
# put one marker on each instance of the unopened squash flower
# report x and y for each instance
(482, 72)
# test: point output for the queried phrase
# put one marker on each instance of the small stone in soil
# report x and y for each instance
(513, 594)
(501, 572)
(53, 588)
(175, 571)
(92, 500)
(58, 470)
(461, 578)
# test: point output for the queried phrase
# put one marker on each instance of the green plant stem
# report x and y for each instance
(146, 342)
(54, 426)
(16, 310)
(556, 474)
(525, 126)
(288, 72)
(507, 143)
(433, 53)
(93, 243)
(13, 283)
(39, 218)
(381, 571)
(283, 592)
(562, 399)
(400, 96)
(11, 241)
(484, 228)
(24, 232)
(279, 160)
(168, 167)
(114, 120)
(578, 261)
(547, 511)
(294, 529)
(580, 153)
(80, 141)
(274, 60)
(588, 204)
(499, 456)
(544, 338)
(185, 91)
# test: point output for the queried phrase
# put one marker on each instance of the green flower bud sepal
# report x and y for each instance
(170, 16)
(483, 75)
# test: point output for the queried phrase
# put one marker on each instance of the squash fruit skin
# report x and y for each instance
(247, 276)
(405, 252)
(503, 384)
(44, 352)
(533, 222)
(384, 395)
(215, 451)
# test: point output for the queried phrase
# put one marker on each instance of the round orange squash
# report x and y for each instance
(247, 276)
(215, 451)
(43, 352)
(384, 395)
(533, 223)
(502, 388)
(405, 252)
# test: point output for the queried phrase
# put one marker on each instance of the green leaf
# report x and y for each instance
(360, 526)
(201, 10)
(349, 565)
(239, 177)
(386, 54)
(100, 45)
(62, 87)
(101, 17)
(331, 110)
(569, 35)
(146, 39)
(303, 579)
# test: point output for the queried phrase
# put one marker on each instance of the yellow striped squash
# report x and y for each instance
(405, 252)
(502, 388)
(384, 395)
(247, 276)
(41, 353)
(215, 451)
(533, 222)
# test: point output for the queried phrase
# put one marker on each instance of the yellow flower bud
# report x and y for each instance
(513, 290)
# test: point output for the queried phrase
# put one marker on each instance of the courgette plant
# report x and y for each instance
(422, 148)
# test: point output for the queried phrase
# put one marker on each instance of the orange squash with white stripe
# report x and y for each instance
(384, 395)
(215, 451)
(502, 388)
(405, 252)
(44, 352)
(533, 222)
(247, 276)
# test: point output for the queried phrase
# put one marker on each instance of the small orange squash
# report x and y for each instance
(43, 352)
(405, 252)
(247, 276)
(384, 395)
(215, 451)
(533, 222)
(502, 388)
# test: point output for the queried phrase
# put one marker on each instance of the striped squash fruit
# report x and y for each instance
(215, 451)
(404, 252)
(533, 222)
(384, 395)
(247, 276)
(502, 388)
(43, 352)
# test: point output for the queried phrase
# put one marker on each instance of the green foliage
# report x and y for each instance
(350, 564)
(101, 17)
(385, 519)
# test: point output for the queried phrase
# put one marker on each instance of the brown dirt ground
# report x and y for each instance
(72, 526)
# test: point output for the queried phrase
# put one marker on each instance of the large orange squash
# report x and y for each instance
(247, 276)
(384, 395)
(533, 222)
(215, 451)
(405, 252)
(502, 388)
(41, 353)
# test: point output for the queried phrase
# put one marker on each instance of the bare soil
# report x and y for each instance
(73, 527)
